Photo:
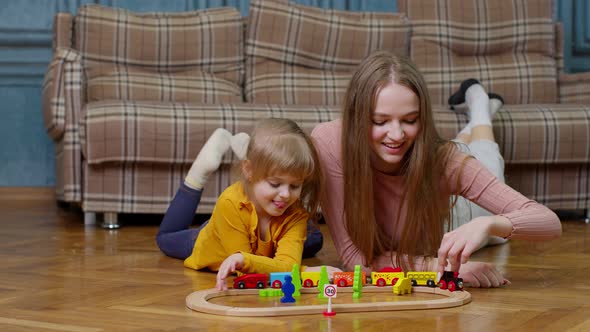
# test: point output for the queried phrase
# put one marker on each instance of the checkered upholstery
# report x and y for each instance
(207, 39)
(108, 82)
(188, 57)
(129, 118)
(137, 153)
(298, 54)
(574, 88)
(130, 131)
(62, 30)
(62, 104)
(509, 45)
(173, 133)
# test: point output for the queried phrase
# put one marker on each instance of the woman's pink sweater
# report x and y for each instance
(530, 220)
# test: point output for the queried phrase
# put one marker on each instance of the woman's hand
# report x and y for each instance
(484, 275)
(458, 245)
(231, 264)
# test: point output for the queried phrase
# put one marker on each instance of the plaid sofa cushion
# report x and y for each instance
(280, 83)
(557, 186)
(173, 133)
(149, 188)
(211, 39)
(292, 49)
(509, 45)
(533, 134)
(145, 188)
(574, 88)
(133, 83)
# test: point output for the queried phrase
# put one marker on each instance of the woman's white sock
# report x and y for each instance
(478, 102)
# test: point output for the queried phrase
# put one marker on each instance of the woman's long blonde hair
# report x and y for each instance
(423, 166)
(280, 146)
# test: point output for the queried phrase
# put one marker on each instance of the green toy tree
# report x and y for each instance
(357, 282)
(324, 279)
(296, 279)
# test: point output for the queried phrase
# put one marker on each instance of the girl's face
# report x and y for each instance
(395, 123)
(274, 194)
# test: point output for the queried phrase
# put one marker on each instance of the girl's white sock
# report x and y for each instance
(239, 144)
(209, 158)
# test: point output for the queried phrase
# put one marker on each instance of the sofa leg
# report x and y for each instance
(587, 216)
(89, 218)
(110, 221)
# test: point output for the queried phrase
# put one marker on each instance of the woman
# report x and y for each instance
(390, 188)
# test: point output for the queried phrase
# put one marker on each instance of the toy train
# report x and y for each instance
(389, 276)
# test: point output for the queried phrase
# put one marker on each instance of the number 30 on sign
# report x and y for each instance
(330, 290)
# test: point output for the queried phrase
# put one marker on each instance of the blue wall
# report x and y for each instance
(574, 14)
(26, 152)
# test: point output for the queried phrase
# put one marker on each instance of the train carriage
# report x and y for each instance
(422, 278)
(277, 279)
(310, 279)
(385, 278)
(346, 279)
(255, 280)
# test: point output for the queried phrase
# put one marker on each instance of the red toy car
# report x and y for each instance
(251, 281)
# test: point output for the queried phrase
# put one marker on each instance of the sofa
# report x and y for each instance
(130, 98)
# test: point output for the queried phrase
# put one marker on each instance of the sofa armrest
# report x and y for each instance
(574, 88)
(62, 107)
(62, 30)
(62, 83)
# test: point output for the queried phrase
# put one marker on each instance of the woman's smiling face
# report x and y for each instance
(395, 124)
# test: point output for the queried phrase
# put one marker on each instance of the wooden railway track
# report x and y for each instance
(199, 301)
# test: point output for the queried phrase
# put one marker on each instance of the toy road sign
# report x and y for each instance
(330, 290)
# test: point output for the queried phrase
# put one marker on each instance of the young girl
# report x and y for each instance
(390, 186)
(259, 223)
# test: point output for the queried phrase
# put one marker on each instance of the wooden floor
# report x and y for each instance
(58, 275)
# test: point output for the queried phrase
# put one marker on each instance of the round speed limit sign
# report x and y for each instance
(330, 290)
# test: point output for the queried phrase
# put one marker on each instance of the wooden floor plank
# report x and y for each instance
(59, 275)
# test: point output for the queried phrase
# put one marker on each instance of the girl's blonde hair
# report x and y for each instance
(423, 166)
(280, 146)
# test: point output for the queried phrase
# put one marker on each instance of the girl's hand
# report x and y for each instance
(483, 275)
(458, 245)
(231, 264)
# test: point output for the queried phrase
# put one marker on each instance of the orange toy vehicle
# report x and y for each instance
(344, 279)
